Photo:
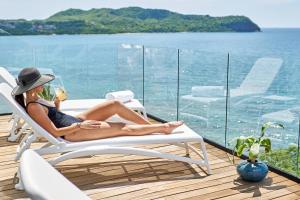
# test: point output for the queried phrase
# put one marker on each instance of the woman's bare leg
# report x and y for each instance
(108, 130)
(107, 109)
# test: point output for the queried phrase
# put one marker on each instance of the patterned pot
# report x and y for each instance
(253, 172)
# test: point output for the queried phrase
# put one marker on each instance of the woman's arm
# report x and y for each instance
(38, 114)
(57, 103)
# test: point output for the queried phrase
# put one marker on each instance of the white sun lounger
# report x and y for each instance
(117, 145)
(256, 81)
(42, 182)
(18, 127)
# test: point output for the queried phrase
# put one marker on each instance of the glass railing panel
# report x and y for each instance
(102, 68)
(244, 110)
(161, 82)
(129, 73)
(202, 99)
(266, 89)
(14, 53)
(87, 70)
(285, 110)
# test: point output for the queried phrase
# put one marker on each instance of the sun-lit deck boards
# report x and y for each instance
(136, 177)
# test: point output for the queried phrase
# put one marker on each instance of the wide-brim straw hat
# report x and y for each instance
(30, 78)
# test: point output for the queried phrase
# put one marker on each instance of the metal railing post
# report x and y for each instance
(298, 149)
(143, 75)
(227, 100)
(178, 64)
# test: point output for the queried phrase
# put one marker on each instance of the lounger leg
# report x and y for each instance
(12, 133)
(18, 181)
(196, 151)
(20, 123)
(203, 149)
(25, 144)
(18, 133)
(187, 150)
(16, 129)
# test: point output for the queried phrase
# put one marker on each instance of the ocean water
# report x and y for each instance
(92, 65)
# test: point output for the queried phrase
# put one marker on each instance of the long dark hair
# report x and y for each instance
(20, 99)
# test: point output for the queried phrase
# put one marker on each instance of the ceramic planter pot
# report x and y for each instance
(253, 172)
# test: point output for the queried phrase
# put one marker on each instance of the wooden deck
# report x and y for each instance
(135, 177)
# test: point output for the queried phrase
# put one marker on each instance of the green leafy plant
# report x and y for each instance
(47, 93)
(253, 144)
(284, 159)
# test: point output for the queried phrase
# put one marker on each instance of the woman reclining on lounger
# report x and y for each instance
(89, 125)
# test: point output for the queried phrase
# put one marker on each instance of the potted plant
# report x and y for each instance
(253, 169)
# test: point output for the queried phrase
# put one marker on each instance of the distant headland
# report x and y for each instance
(125, 20)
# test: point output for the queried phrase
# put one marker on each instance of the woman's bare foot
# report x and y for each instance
(170, 126)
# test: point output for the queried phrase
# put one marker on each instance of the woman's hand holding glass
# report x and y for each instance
(90, 124)
(61, 94)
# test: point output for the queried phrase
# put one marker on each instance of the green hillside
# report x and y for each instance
(125, 20)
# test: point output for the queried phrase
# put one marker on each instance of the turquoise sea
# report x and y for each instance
(91, 65)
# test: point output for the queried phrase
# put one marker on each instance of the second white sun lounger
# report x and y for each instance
(256, 83)
(42, 182)
(117, 145)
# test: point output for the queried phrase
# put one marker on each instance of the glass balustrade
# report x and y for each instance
(219, 95)
(129, 72)
(160, 86)
(202, 93)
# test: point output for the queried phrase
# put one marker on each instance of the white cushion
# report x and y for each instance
(208, 91)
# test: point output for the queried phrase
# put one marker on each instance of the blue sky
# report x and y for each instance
(266, 13)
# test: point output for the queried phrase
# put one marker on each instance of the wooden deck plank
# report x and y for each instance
(137, 177)
(90, 159)
(194, 190)
(291, 196)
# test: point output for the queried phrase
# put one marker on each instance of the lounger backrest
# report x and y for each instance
(41, 181)
(6, 77)
(5, 93)
(261, 76)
